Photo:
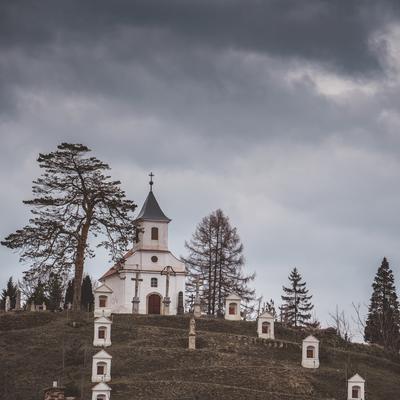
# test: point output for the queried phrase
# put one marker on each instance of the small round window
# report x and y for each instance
(154, 258)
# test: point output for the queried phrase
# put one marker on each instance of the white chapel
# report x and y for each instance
(149, 279)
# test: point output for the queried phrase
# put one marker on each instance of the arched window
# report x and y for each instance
(232, 308)
(102, 332)
(154, 282)
(154, 233)
(356, 392)
(101, 397)
(103, 301)
(101, 368)
(310, 351)
(265, 327)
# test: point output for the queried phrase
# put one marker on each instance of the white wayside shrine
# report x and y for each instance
(102, 332)
(101, 367)
(232, 307)
(310, 352)
(149, 279)
(356, 388)
(102, 301)
(101, 392)
(265, 326)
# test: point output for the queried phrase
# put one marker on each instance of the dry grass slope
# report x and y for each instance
(150, 360)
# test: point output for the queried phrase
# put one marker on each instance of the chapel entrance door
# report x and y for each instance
(154, 305)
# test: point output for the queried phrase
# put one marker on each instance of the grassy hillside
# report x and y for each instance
(150, 360)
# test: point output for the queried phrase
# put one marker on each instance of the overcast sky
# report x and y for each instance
(285, 114)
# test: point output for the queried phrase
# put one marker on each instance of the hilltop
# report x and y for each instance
(150, 360)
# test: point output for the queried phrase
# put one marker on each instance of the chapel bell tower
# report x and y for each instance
(151, 224)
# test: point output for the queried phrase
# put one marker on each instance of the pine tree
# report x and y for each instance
(38, 296)
(296, 309)
(55, 292)
(74, 199)
(69, 293)
(383, 320)
(11, 291)
(87, 297)
(216, 256)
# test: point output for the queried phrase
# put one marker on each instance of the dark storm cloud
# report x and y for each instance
(286, 28)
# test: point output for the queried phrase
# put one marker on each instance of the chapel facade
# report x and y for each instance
(150, 279)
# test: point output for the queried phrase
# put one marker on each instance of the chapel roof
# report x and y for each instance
(102, 354)
(311, 338)
(233, 296)
(356, 378)
(101, 387)
(151, 210)
(103, 288)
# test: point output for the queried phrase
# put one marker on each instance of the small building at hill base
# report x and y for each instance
(101, 392)
(101, 367)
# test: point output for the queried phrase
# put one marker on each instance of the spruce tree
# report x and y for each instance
(297, 307)
(73, 200)
(11, 291)
(383, 320)
(216, 256)
(55, 292)
(69, 293)
(87, 297)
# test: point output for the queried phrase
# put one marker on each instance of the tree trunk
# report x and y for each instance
(209, 311)
(79, 265)
(215, 273)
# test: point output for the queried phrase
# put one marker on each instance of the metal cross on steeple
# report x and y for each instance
(151, 183)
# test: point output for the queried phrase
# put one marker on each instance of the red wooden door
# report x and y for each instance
(154, 304)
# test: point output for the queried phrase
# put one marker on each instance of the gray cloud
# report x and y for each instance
(283, 113)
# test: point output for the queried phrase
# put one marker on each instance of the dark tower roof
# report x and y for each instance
(151, 210)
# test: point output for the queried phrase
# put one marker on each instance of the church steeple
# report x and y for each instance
(151, 211)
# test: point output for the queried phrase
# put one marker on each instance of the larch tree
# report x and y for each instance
(74, 200)
(216, 260)
(383, 321)
(296, 308)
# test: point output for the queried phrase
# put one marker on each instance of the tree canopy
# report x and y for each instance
(383, 320)
(216, 256)
(74, 199)
(296, 308)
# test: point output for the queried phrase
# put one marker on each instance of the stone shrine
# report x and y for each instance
(310, 352)
(356, 388)
(265, 326)
(232, 307)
